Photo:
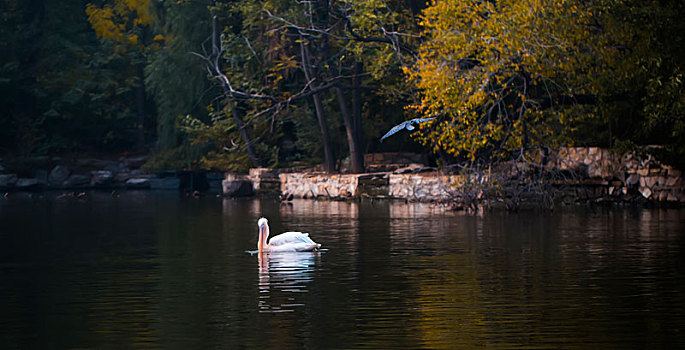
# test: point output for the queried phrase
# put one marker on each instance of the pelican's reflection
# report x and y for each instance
(282, 276)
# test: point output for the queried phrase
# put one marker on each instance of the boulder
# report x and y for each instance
(237, 188)
(77, 180)
(58, 174)
(101, 177)
(166, 183)
(138, 182)
(8, 180)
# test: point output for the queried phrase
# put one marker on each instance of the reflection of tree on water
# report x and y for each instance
(281, 277)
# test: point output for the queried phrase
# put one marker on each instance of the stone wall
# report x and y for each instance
(598, 173)
(652, 180)
(592, 162)
(625, 176)
(265, 180)
(303, 185)
(423, 186)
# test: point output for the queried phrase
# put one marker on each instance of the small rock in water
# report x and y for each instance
(26, 183)
(138, 183)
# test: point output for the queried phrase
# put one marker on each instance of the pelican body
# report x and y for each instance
(285, 242)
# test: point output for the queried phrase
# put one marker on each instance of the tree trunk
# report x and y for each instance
(329, 157)
(320, 19)
(140, 109)
(357, 108)
(356, 154)
(246, 137)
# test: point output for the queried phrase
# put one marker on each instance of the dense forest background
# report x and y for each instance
(234, 84)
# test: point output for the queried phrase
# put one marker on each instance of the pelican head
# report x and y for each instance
(263, 225)
(262, 222)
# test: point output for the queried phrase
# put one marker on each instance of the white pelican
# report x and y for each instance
(285, 242)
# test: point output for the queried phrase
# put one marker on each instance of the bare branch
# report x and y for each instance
(390, 37)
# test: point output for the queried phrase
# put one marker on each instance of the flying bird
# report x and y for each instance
(409, 125)
(285, 242)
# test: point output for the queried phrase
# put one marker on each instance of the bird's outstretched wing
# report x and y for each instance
(405, 125)
(419, 120)
(394, 129)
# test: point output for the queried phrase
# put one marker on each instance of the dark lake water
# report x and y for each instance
(159, 270)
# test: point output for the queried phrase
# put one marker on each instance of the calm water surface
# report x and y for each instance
(158, 270)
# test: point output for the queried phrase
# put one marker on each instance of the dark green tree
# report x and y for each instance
(65, 90)
(280, 59)
(177, 79)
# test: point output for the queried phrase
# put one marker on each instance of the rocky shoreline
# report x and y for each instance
(89, 173)
(599, 176)
(591, 175)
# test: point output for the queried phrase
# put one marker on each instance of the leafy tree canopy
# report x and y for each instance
(506, 77)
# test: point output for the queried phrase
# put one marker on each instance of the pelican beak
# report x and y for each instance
(262, 233)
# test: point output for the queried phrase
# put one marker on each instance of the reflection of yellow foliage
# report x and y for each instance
(450, 306)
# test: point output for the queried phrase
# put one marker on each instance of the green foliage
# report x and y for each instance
(184, 156)
(65, 92)
(264, 44)
(223, 147)
(175, 77)
(504, 78)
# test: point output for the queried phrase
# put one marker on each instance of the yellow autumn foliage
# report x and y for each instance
(120, 20)
(493, 72)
